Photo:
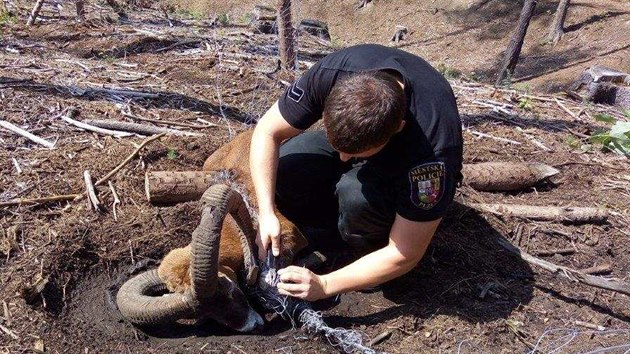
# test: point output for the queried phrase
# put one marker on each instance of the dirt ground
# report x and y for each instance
(468, 294)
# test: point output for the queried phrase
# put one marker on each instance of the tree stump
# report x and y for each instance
(401, 31)
(599, 84)
(316, 28)
(264, 20)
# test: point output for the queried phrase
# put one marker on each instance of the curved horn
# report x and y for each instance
(218, 200)
(138, 303)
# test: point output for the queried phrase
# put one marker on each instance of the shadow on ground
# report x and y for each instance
(157, 99)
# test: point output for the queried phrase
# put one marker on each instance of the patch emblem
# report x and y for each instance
(295, 93)
(427, 184)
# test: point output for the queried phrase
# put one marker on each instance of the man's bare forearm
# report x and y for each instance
(263, 161)
(370, 270)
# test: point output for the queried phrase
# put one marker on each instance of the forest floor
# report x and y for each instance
(467, 295)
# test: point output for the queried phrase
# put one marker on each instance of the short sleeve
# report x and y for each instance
(302, 103)
(428, 188)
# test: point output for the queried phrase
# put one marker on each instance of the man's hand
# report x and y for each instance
(268, 232)
(301, 283)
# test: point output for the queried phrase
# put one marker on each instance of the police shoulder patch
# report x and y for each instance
(295, 92)
(427, 184)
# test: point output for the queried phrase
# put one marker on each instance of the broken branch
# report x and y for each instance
(55, 198)
(129, 158)
(139, 128)
(566, 272)
(24, 133)
(72, 112)
(96, 204)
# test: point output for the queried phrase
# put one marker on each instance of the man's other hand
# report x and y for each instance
(301, 283)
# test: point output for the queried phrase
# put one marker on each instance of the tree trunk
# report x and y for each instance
(286, 35)
(557, 27)
(80, 4)
(516, 43)
(35, 12)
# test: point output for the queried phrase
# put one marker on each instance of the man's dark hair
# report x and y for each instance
(363, 111)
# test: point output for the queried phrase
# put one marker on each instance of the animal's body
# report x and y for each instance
(174, 270)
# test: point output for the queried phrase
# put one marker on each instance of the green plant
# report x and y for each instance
(172, 154)
(522, 87)
(572, 142)
(246, 18)
(223, 19)
(193, 14)
(448, 72)
(6, 18)
(617, 138)
(525, 103)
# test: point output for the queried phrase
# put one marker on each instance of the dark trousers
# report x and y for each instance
(316, 190)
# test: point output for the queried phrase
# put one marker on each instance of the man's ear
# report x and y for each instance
(401, 126)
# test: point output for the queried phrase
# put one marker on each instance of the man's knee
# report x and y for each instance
(365, 218)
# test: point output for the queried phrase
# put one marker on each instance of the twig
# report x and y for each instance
(534, 140)
(566, 272)
(74, 62)
(158, 121)
(116, 199)
(9, 332)
(598, 269)
(17, 165)
(554, 251)
(564, 108)
(73, 112)
(380, 338)
(96, 204)
(6, 312)
(55, 198)
(26, 134)
(496, 106)
(590, 325)
(129, 158)
(484, 135)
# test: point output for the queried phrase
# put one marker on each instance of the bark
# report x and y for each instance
(165, 187)
(35, 12)
(516, 43)
(557, 27)
(546, 213)
(505, 176)
(286, 35)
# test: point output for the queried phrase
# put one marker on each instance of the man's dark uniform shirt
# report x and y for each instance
(422, 163)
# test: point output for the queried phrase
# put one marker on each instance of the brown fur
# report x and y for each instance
(233, 157)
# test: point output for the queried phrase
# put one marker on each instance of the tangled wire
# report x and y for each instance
(299, 311)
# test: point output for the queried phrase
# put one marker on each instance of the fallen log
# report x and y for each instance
(571, 274)
(505, 176)
(172, 187)
(546, 213)
(166, 187)
(138, 128)
(72, 112)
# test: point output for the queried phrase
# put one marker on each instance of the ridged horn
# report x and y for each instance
(217, 202)
(141, 302)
